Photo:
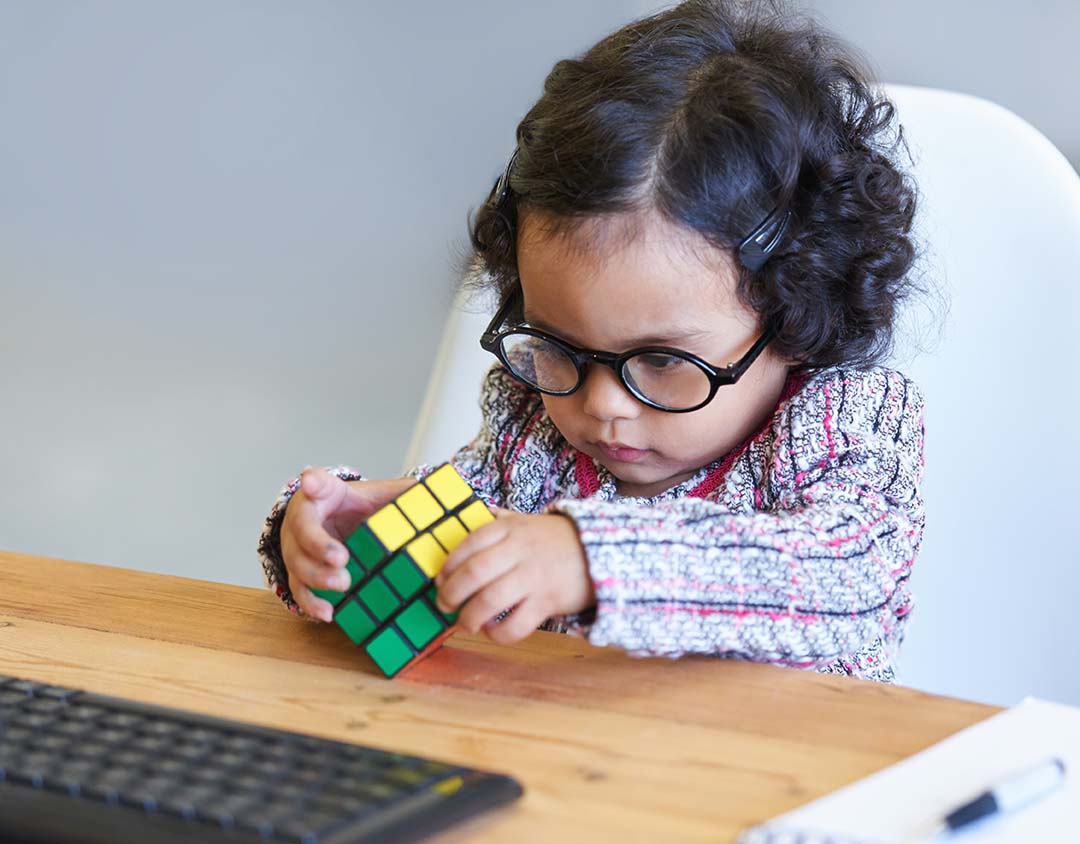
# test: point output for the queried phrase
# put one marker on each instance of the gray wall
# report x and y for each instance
(227, 233)
(1025, 56)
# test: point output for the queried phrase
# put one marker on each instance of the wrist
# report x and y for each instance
(583, 598)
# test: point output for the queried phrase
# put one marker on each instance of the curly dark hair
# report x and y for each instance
(715, 114)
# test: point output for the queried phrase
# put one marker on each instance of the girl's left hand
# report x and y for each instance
(533, 563)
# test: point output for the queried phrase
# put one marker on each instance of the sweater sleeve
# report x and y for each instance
(818, 570)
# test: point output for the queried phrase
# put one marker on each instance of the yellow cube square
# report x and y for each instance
(420, 507)
(449, 487)
(391, 527)
(450, 532)
(476, 514)
(427, 553)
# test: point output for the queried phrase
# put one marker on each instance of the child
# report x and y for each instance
(704, 186)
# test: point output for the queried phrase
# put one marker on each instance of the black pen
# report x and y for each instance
(1012, 793)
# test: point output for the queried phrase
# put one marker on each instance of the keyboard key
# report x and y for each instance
(82, 712)
(209, 775)
(69, 777)
(162, 728)
(27, 686)
(107, 784)
(222, 810)
(147, 794)
(52, 742)
(305, 828)
(122, 721)
(30, 769)
(286, 792)
(43, 705)
(127, 759)
(30, 720)
(184, 802)
(110, 736)
(151, 744)
(263, 819)
(55, 692)
(190, 752)
(11, 697)
(74, 729)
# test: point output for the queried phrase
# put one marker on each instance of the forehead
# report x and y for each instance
(621, 275)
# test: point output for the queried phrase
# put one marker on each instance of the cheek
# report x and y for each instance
(564, 413)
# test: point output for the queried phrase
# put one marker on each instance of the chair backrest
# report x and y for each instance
(450, 414)
(998, 578)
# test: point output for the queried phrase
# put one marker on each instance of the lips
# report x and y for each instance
(620, 452)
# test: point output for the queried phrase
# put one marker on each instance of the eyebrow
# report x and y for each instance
(673, 338)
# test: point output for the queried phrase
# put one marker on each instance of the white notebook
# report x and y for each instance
(902, 803)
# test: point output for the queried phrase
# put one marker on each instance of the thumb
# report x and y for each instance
(317, 484)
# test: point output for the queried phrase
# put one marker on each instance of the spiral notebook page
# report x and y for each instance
(900, 804)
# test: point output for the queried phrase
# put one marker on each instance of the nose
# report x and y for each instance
(604, 397)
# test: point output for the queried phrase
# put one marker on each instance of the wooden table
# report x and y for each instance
(608, 747)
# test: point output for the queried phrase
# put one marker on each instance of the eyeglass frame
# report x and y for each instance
(718, 376)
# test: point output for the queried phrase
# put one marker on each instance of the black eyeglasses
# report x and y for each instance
(658, 376)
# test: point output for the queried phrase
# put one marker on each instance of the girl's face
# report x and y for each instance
(665, 286)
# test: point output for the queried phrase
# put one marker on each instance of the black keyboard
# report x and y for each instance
(83, 768)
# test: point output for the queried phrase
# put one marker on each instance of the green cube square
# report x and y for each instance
(451, 617)
(389, 651)
(378, 598)
(355, 621)
(404, 576)
(420, 623)
(365, 548)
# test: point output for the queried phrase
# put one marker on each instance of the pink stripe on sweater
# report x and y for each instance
(744, 612)
(683, 583)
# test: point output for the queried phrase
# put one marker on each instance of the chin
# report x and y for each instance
(635, 475)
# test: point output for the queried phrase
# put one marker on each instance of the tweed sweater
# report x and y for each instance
(795, 548)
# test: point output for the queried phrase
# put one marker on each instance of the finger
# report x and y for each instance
(525, 618)
(311, 538)
(317, 575)
(310, 603)
(490, 601)
(473, 575)
(306, 559)
(313, 571)
(321, 495)
(483, 537)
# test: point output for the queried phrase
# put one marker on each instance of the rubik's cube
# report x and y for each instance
(389, 608)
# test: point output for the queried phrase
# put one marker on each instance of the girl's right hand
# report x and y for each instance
(321, 514)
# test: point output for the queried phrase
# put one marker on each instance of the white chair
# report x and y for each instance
(998, 578)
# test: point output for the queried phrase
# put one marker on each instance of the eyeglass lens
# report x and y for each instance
(663, 379)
